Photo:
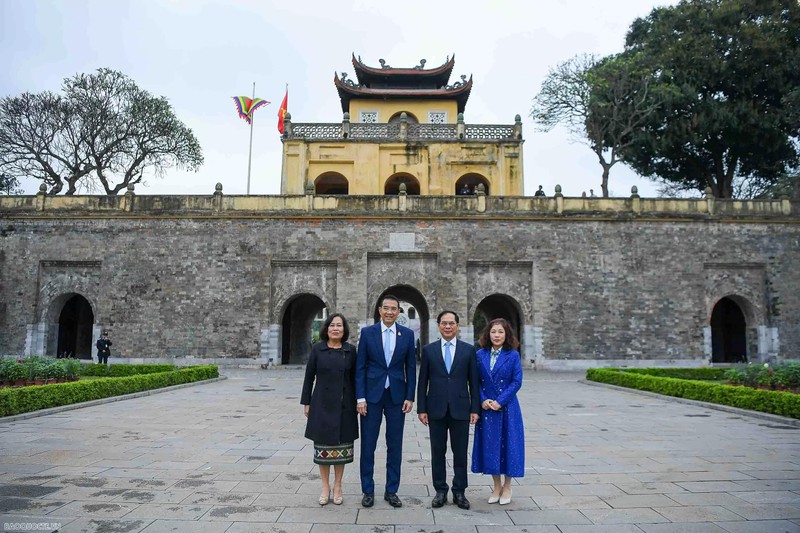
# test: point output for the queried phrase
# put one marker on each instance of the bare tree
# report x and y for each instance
(104, 131)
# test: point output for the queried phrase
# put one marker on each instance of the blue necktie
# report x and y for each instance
(387, 350)
(493, 359)
(448, 358)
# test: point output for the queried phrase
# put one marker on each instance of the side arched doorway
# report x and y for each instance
(75, 323)
(728, 332)
(497, 306)
(296, 328)
(408, 295)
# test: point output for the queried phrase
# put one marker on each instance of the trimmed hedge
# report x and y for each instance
(25, 399)
(117, 371)
(775, 402)
(697, 374)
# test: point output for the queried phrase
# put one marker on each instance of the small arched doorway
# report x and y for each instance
(728, 332)
(410, 298)
(497, 306)
(468, 184)
(392, 186)
(331, 183)
(296, 327)
(75, 328)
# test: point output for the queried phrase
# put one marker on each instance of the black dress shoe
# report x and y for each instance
(368, 500)
(439, 500)
(392, 498)
(460, 500)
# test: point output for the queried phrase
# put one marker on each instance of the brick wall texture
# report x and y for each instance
(208, 287)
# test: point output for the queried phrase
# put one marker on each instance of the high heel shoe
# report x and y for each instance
(505, 500)
(324, 499)
(494, 498)
(337, 500)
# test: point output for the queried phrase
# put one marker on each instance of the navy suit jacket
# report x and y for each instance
(459, 390)
(371, 369)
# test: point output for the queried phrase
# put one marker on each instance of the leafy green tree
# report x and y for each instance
(601, 102)
(732, 121)
(103, 131)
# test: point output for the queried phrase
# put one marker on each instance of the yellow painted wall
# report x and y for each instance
(436, 165)
(418, 108)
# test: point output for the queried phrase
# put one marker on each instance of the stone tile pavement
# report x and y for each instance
(230, 457)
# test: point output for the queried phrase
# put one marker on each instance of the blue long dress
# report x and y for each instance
(499, 444)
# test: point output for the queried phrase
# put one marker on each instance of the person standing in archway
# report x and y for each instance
(499, 445)
(103, 348)
(331, 407)
(386, 375)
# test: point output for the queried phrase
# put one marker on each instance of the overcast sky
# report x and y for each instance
(200, 53)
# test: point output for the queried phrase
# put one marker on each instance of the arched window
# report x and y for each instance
(331, 183)
(409, 116)
(468, 184)
(392, 185)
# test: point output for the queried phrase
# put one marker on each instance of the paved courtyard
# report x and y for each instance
(230, 457)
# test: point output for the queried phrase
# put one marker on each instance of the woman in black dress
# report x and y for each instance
(331, 407)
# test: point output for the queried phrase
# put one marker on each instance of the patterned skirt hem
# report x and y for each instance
(339, 454)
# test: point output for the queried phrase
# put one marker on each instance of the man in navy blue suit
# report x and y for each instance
(386, 373)
(449, 401)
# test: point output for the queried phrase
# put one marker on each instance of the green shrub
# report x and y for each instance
(25, 399)
(775, 402)
(698, 374)
(121, 370)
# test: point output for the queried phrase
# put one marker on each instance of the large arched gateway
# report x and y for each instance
(728, 332)
(497, 306)
(296, 331)
(411, 296)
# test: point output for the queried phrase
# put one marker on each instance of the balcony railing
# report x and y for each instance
(402, 131)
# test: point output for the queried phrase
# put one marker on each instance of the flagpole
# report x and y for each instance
(250, 153)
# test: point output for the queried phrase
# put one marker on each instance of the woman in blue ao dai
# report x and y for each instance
(499, 445)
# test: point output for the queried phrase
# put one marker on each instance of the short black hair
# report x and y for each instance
(323, 330)
(389, 297)
(446, 311)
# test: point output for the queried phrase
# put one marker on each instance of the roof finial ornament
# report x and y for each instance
(384, 64)
(421, 65)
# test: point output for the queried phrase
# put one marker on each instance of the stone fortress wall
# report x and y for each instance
(587, 281)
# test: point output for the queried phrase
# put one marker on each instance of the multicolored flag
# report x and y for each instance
(282, 111)
(247, 106)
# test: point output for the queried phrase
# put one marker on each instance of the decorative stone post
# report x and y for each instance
(559, 199)
(461, 129)
(636, 201)
(517, 127)
(346, 125)
(287, 126)
(403, 126)
(41, 196)
(480, 192)
(309, 196)
(709, 194)
(216, 201)
(402, 196)
(129, 196)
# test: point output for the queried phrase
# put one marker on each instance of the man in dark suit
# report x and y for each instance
(449, 401)
(386, 372)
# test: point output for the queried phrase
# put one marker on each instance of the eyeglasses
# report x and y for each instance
(448, 323)
(385, 308)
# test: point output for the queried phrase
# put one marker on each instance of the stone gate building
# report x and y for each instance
(401, 197)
